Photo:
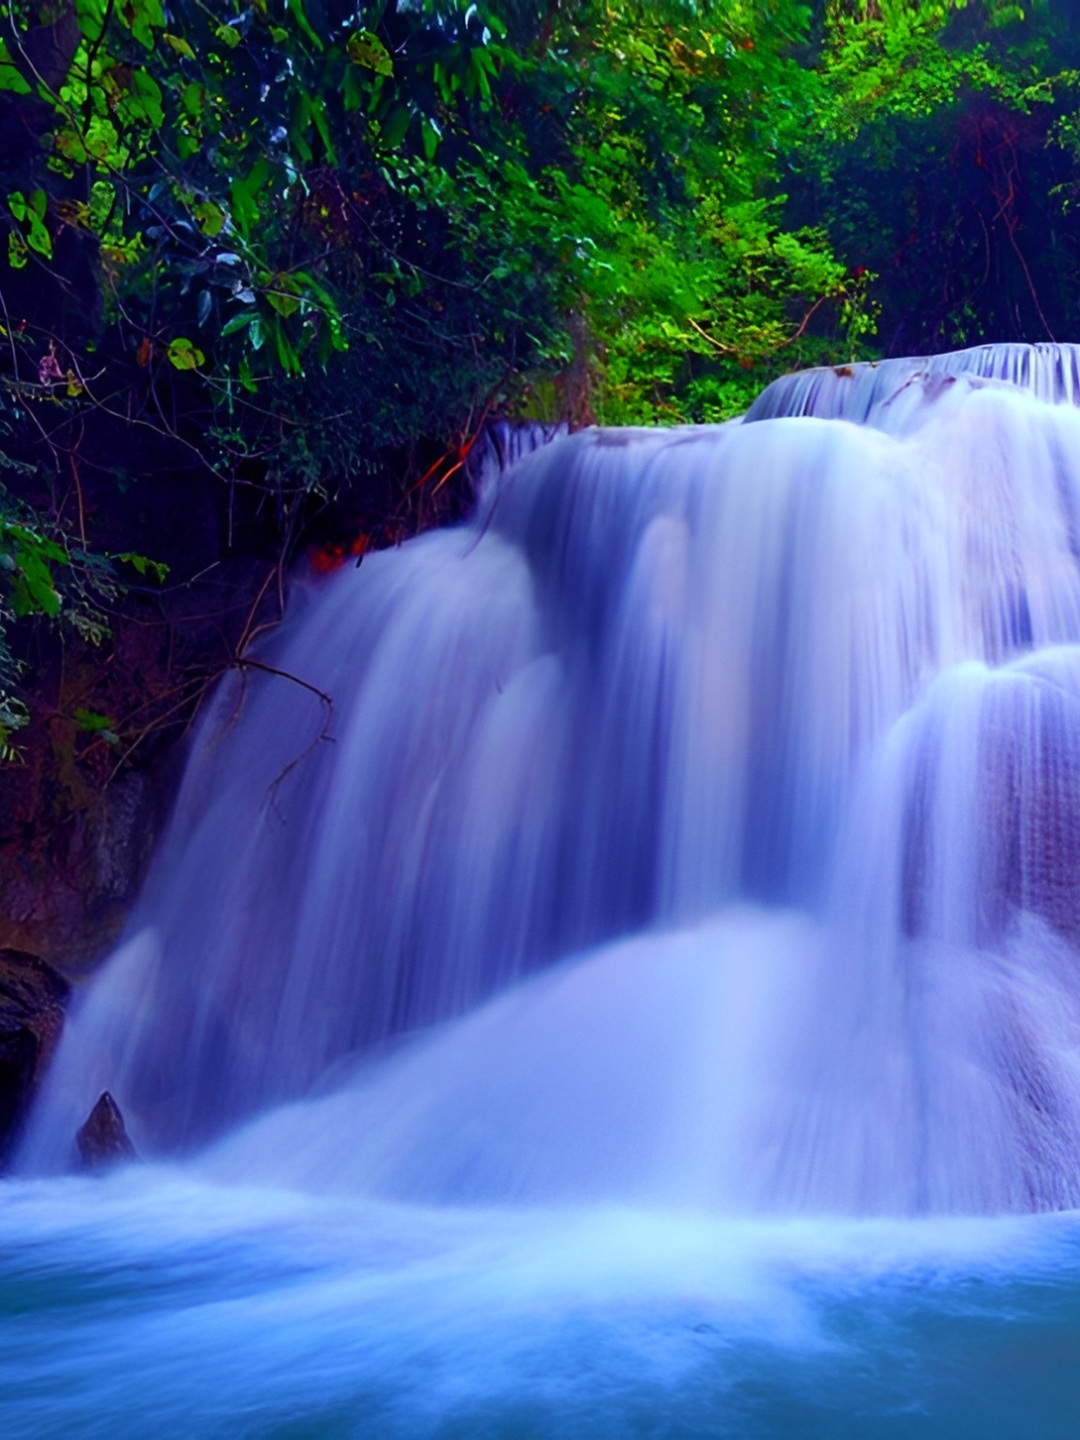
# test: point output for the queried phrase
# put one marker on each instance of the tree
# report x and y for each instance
(265, 257)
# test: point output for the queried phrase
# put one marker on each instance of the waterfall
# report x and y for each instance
(884, 393)
(698, 824)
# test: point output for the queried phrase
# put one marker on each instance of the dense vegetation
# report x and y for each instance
(268, 265)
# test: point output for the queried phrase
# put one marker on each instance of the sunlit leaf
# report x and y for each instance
(210, 216)
(180, 45)
(367, 50)
(184, 355)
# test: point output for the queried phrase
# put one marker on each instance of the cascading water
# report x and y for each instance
(568, 911)
(782, 716)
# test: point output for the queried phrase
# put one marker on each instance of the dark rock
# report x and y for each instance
(32, 1000)
(103, 1140)
(67, 882)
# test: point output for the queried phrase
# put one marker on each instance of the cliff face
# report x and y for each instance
(64, 899)
(32, 997)
(81, 805)
(66, 885)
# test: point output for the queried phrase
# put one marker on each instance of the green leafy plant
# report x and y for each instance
(301, 253)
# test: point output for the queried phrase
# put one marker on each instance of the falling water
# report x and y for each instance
(614, 968)
(722, 780)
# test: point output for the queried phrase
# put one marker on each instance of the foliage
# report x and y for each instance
(947, 171)
(400, 187)
(43, 573)
(674, 250)
(291, 252)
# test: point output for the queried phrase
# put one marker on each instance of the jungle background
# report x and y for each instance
(267, 267)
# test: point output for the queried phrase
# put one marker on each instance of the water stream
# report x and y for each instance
(614, 967)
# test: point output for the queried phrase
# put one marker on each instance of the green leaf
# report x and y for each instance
(284, 303)
(33, 592)
(180, 45)
(477, 77)
(100, 141)
(142, 17)
(94, 723)
(297, 9)
(32, 214)
(11, 77)
(39, 544)
(366, 49)
(394, 127)
(245, 194)
(145, 99)
(287, 355)
(184, 355)
(143, 565)
(228, 35)
(311, 110)
(238, 322)
(210, 217)
(39, 239)
(91, 17)
(193, 99)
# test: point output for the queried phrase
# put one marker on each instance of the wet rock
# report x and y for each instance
(32, 998)
(103, 1139)
(66, 886)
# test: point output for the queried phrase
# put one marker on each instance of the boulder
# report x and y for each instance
(103, 1139)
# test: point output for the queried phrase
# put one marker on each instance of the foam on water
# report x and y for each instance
(153, 1303)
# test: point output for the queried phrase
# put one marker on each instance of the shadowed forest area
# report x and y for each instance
(269, 268)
